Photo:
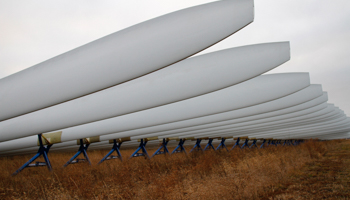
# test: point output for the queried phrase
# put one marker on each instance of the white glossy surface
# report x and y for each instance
(258, 90)
(122, 56)
(186, 79)
(279, 130)
(250, 128)
(317, 132)
(307, 97)
(292, 103)
(251, 122)
(305, 128)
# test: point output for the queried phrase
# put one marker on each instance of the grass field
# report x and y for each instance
(312, 170)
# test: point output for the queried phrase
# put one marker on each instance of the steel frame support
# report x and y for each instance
(209, 145)
(253, 144)
(236, 144)
(293, 143)
(268, 143)
(222, 144)
(116, 147)
(273, 142)
(142, 146)
(297, 142)
(163, 146)
(82, 149)
(288, 142)
(42, 151)
(245, 144)
(197, 146)
(262, 145)
(181, 146)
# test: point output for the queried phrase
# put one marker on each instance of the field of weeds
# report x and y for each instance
(238, 174)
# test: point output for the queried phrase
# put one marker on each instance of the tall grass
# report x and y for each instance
(238, 174)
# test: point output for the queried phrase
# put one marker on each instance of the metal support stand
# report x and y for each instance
(141, 147)
(116, 147)
(236, 144)
(197, 146)
(163, 145)
(262, 145)
(181, 146)
(42, 151)
(254, 144)
(222, 144)
(296, 142)
(209, 145)
(273, 142)
(285, 141)
(268, 143)
(82, 149)
(288, 142)
(293, 143)
(245, 144)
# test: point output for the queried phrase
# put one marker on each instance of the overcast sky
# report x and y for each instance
(318, 30)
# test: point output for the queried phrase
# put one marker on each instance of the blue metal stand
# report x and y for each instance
(285, 141)
(42, 151)
(273, 142)
(254, 144)
(296, 142)
(197, 146)
(163, 145)
(236, 144)
(142, 146)
(268, 143)
(209, 145)
(222, 144)
(116, 147)
(262, 145)
(82, 149)
(245, 144)
(181, 146)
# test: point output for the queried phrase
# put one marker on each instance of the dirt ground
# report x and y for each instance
(311, 170)
(324, 178)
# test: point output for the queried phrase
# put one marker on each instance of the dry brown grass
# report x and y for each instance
(239, 174)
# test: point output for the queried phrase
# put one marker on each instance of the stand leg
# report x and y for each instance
(141, 147)
(42, 151)
(269, 143)
(163, 145)
(210, 145)
(180, 145)
(262, 145)
(197, 146)
(236, 144)
(254, 144)
(222, 145)
(245, 144)
(82, 149)
(116, 147)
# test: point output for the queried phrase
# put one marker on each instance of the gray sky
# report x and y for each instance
(319, 32)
